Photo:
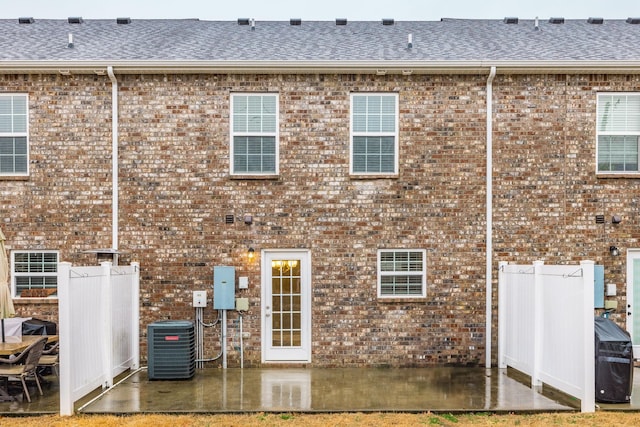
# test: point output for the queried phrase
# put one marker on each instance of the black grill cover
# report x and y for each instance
(614, 362)
(35, 326)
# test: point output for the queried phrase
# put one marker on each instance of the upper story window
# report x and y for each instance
(254, 134)
(618, 130)
(374, 134)
(34, 273)
(13, 134)
(402, 273)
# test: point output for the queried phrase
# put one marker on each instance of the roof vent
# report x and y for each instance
(26, 20)
(595, 20)
(510, 20)
(74, 20)
(633, 20)
(243, 21)
(123, 21)
(387, 21)
(295, 21)
(556, 20)
(341, 21)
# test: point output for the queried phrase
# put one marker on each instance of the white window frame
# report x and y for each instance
(15, 274)
(394, 134)
(632, 134)
(275, 134)
(18, 134)
(422, 273)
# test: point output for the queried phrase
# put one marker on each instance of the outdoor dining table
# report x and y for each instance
(9, 348)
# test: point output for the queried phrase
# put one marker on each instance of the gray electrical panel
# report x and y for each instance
(224, 288)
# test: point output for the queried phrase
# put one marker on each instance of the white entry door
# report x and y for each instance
(633, 299)
(286, 306)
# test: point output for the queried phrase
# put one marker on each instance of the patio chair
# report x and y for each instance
(50, 358)
(24, 365)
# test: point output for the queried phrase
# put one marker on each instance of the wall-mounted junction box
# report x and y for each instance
(242, 304)
(199, 298)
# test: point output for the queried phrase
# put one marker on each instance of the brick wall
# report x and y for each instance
(175, 191)
(546, 191)
(65, 204)
(173, 223)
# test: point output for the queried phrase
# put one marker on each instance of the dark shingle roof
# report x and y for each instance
(448, 40)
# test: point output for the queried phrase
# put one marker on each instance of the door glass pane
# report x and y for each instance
(295, 267)
(277, 340)
(296, 321)
(286, 321)
(286, 285)
(296, 338)
(286, 303)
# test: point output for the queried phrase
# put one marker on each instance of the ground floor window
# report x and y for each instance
(402, 273)
(34, 273)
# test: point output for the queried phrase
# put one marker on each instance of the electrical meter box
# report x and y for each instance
(224, 288)
(199, 299)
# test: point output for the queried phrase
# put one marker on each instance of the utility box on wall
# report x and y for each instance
(598, 291)
(224, 288)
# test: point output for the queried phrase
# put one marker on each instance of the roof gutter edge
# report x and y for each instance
(305, 67)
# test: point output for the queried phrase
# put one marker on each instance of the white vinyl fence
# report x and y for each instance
(99, 327)
(546, 326)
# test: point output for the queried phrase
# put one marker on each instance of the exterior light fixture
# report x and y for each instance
(614, 251)
(250, 253)
(248, 219)
(616, 219)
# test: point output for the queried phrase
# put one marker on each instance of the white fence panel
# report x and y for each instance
(519, 349)
(85, 287)
(98, 327)
(123, 292)
(546, 326)
(561, 366)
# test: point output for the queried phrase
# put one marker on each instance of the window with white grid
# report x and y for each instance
(254, 134)
(374, 134)
(618, 129)
(14, 141)
(34, 273)
(402, 273)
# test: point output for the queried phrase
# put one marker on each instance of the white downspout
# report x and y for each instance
(114, 162)
(489, 216)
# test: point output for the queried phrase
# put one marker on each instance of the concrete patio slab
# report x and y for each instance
(326, 390)
(318, 390)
